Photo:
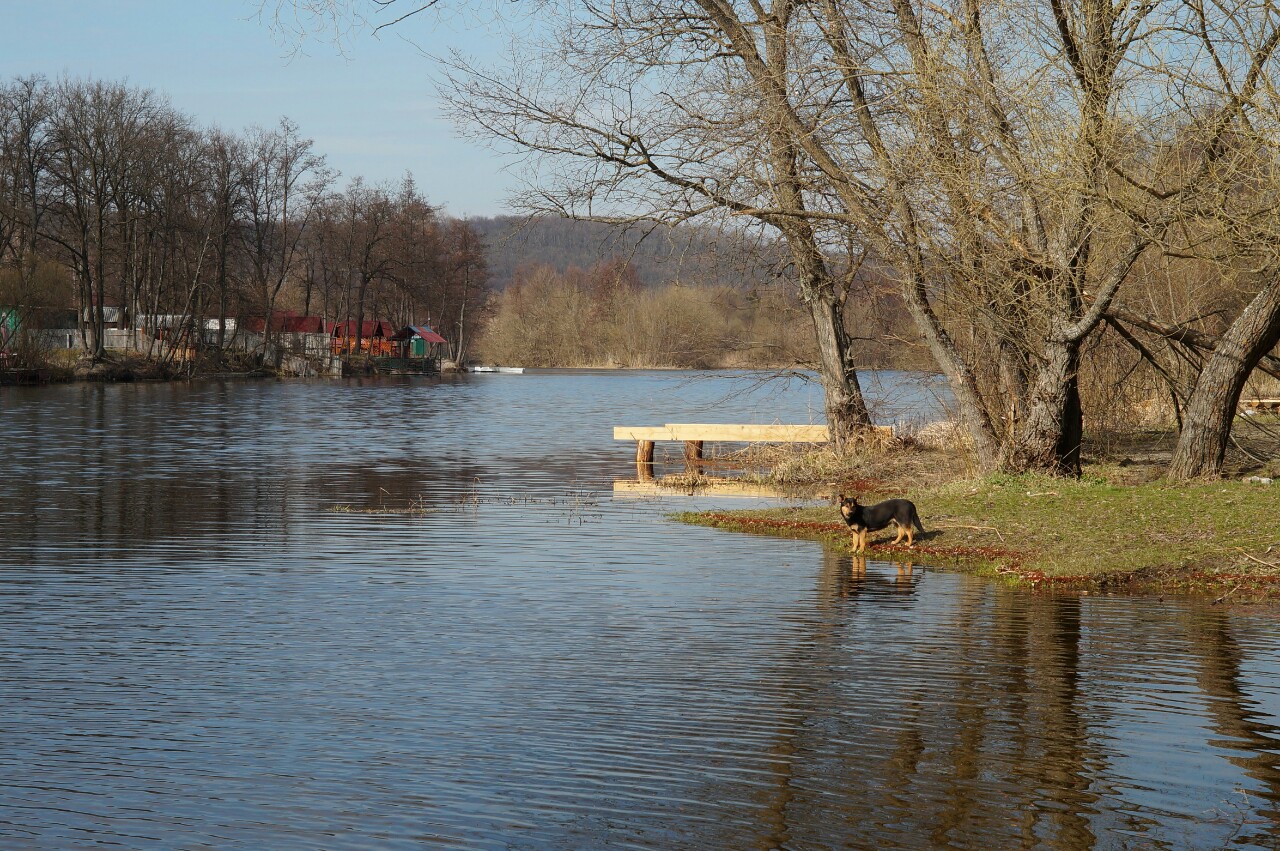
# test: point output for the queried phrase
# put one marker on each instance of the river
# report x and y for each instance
(411, 614)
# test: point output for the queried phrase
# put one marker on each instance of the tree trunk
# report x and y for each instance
(964, 386)
(1048, 440)
(99, 308)
(1013, 382)
(1202, 443)
(846, 409)
(223, 247)
(845, 406)
(364, 284)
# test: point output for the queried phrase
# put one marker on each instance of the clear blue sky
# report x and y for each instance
(372, 111)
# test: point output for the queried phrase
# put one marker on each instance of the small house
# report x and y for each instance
(417, 341)
(371, 337)
(10, 321)
(297, 333)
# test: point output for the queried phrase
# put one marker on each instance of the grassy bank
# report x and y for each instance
(1101, 532)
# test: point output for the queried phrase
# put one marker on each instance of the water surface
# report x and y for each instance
(210, 638)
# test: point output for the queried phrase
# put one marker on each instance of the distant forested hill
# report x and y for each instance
(659, 255)
(701, 260)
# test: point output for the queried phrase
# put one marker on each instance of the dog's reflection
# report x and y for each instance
(851, 577)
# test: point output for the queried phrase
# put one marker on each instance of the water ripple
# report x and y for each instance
(218, 628)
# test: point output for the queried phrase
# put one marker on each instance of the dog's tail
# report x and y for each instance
(915, 521)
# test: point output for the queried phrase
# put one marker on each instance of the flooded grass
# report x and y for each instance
(412, 509)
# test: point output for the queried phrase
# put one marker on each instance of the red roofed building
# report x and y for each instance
(373, 336)
(417, 341)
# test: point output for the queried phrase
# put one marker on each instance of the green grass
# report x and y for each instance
(1088, 532)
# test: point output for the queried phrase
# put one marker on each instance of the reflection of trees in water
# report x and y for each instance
(1058, 772)
(101, 467)
(789, 807)
(1252, 742)
(987, 741)
(155, 502)
(996, 748)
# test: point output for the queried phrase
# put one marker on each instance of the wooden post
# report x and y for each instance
(693, 456)
(644, 459)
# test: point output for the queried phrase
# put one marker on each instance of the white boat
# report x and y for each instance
(514, 370)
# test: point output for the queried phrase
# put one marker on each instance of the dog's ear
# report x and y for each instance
(839, 498)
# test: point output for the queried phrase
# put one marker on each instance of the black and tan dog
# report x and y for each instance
(862, 520)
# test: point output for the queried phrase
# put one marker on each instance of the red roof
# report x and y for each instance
(423, 331)
(370, 328)
(288, 323)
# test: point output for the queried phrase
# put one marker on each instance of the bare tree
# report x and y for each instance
(418, 245)
(364, 226)
(226, 166)
(464, 278)
(26, 147)
(672, 112)
(1241, 139)
(97, 134)
(669, 124)
(174, 224)
(285, 182)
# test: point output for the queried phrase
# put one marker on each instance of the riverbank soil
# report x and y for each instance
(127, 365)
(1119, 527)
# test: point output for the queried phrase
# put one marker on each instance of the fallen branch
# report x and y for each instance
(1269, 564)
(1228, 594)
(962, 526)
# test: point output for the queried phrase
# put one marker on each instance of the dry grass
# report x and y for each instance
(874, 459)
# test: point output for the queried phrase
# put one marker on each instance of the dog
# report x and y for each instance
(862, 520)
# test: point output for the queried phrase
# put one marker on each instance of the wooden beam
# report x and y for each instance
(731, 432)
(649, 433)
(749, 433)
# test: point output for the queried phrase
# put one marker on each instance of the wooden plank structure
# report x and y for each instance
(711, 487)
(694, 435)
(407, 366)
(1260, 404)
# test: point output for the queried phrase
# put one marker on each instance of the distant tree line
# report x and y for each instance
(109, 197)
(605, 315)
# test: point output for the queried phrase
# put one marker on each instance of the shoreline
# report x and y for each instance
(1214, 538)
(125, 367)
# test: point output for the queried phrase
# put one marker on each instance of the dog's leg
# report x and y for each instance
(862, 539)
(902, 530)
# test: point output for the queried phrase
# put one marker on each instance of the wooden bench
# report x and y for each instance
(694, 435)
(1260, 404)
